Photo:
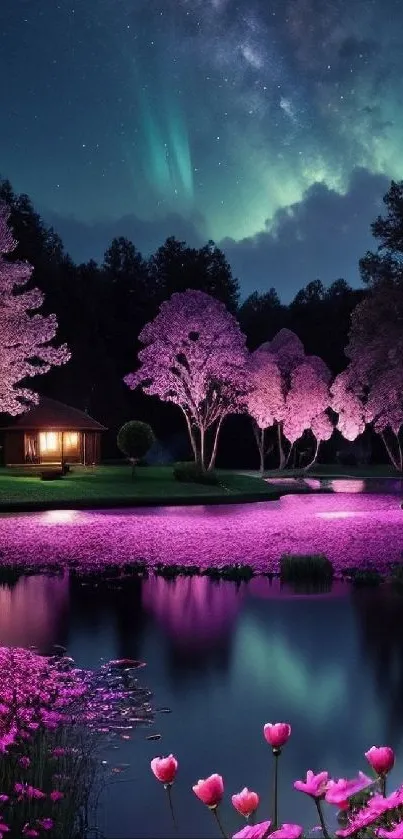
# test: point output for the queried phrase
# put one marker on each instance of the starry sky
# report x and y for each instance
(271, 126)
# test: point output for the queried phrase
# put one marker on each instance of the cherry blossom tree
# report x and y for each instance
(195, 357)
(264, 400)
(348, 403)
(306, 403)
(306, 395)
(25, 335)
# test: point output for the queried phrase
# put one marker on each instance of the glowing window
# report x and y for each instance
(49, 441)
(70, 439)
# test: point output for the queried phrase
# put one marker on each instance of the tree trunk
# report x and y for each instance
(258, 434)
(202, 448)
(191, 437)
(316, 452)
(400, 451)
(396, 464)
(280, 447)
(215, 446)
(261, 450)
(287, 459)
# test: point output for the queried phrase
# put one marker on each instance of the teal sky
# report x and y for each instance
(271, 127)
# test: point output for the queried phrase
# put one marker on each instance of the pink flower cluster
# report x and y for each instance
(46, 701)
(381, 813)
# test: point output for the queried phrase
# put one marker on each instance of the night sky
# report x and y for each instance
(271, 126)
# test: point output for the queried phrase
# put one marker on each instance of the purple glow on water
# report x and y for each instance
(193, 611)
(351, 529)
(348, 485)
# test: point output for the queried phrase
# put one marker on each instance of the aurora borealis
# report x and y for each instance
(271, 127)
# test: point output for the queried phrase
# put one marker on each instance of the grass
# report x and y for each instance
(108, 486)
(113, 485)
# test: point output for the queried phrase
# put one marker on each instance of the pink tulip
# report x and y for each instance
(277, 734)
(395, 832)
(315, 785)
(165, 768)
(287, 831)
(381, 758)
(253, 831)
(338, 792)
(210, 790)
(246, 802)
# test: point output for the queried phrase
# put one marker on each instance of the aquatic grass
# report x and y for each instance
(298, 569)
(366, 577)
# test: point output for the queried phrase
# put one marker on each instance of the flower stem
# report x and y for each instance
(276, 753)
(214, 810)
(321, 819)
(171, 806)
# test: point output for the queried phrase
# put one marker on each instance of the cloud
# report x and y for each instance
(323, 236)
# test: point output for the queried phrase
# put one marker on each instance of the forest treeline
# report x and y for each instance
(101, 309)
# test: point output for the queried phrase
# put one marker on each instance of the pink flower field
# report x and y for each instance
(351, 529)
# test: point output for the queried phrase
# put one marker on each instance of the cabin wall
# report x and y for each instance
(91, 447)
(13, 447)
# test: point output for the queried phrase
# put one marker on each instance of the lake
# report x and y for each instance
(224, 659)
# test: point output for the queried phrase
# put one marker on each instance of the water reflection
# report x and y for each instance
(226, 660)
(197, 617)
(34, 611)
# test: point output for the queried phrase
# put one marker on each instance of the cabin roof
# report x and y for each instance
(51, 415)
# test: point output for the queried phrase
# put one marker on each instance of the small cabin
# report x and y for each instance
(52, 433)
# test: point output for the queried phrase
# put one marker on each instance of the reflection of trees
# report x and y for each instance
(197, 616)
(34, 612)
(379, 611)
(104, 600)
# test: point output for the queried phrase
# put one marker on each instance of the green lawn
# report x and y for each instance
(113, 484)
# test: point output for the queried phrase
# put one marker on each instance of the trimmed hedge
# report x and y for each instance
(192, 473)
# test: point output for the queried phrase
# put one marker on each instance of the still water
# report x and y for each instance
(225, 660)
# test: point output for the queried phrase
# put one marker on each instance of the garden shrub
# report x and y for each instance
(192, 473)
(134, 440)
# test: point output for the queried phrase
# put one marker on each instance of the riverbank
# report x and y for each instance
(105, 487)
(113, 486)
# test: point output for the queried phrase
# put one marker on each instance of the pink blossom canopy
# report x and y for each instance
(194, 356)
(25, 349)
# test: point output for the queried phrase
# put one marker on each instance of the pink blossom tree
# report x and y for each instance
(306, 395)
(306, 403)
(264, 400)
(194, 356)
(25, 335)
(348, 403)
